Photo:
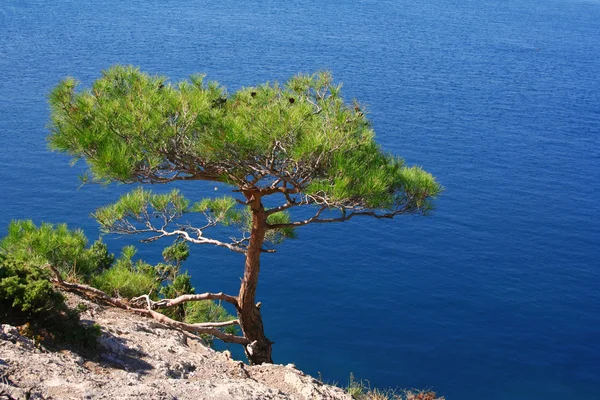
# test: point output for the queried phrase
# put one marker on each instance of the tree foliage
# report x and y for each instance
(133, 127)
(66, 249)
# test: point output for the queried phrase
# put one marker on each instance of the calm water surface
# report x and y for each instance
(495, 296)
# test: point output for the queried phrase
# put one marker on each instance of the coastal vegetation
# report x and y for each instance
(362, 390)
(35, 260)
(29, 300)
(30, 259)
(293, 154)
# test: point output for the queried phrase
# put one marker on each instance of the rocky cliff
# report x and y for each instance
(141, 359)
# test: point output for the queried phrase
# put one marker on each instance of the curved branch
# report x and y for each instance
(166, 303)
(281, 189)
(221, 324)
(289, 204)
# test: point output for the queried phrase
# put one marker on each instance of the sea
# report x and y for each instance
(495, 295)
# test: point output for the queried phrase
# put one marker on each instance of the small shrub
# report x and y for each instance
(355, 388)
(176, 253)
(422, 395)
(25, 289)
(361, 390)
(126, 278)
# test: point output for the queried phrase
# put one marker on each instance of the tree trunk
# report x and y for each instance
(259, 350)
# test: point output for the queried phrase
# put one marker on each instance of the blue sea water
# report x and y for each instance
(495, 296)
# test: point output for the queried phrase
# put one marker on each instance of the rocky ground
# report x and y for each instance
(141, 359)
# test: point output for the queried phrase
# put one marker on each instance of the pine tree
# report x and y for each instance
(282, 148)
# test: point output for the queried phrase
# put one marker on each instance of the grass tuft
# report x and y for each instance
(361, 390)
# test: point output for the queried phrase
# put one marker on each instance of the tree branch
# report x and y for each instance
(221, 324)
(344, 217)
(282, 207)
(166, 303)
(194, 328)
(298, 223)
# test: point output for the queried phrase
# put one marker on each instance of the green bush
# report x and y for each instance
(28, 298)
(27, 294)
(55, 244)
(177, 253)
(127, 278)
(25, 289)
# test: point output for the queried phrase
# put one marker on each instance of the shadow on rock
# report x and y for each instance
(115, 352)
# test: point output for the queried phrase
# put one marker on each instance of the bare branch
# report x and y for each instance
(221, 324)
(263, 250)
(166, 303)
(146, 176)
